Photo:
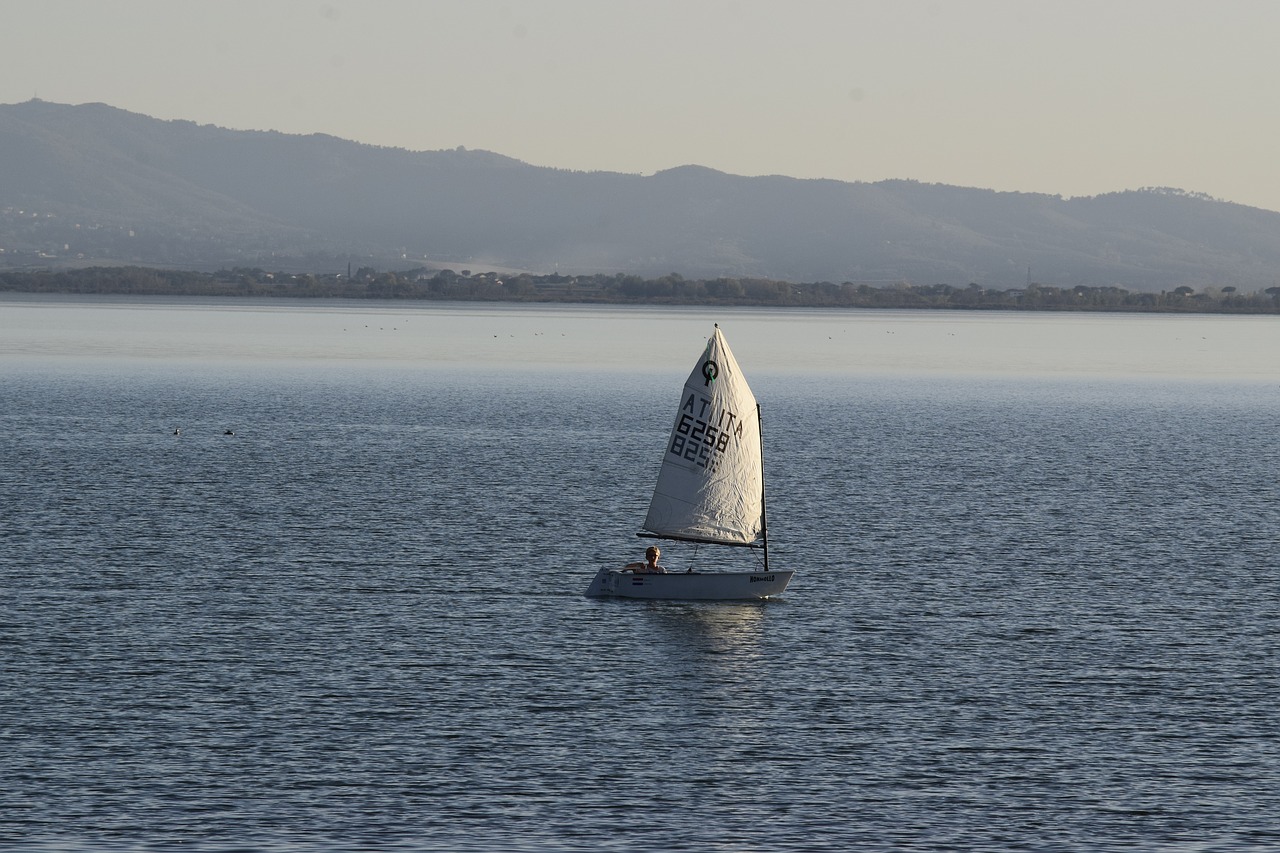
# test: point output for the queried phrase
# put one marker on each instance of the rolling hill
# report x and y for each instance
(92, 184)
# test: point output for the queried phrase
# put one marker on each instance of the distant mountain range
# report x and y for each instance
(92, 184)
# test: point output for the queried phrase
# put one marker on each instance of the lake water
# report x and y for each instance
(1036, 605)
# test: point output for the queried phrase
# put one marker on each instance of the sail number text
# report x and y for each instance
(702, 434)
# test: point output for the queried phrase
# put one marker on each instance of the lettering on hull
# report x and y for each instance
(762, 578)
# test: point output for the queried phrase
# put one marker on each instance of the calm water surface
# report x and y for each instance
(1035, 605)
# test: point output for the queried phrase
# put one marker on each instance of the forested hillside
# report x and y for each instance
(91, 184)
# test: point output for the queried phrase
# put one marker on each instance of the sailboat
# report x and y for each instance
(710, 489)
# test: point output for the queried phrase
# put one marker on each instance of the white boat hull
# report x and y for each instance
(712, 586)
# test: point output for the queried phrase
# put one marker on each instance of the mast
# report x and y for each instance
(764, 528)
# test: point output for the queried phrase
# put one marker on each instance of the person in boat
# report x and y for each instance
(649, 566)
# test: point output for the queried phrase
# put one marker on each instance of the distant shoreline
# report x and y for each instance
(422, 285)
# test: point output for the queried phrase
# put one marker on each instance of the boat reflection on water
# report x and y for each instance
(728, 634)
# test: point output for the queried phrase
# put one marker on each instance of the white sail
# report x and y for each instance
(711, 484)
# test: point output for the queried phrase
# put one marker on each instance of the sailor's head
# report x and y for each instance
(652, 553)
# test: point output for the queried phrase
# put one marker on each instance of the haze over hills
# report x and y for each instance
(95, 184)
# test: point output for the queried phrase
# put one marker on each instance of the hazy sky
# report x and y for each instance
(1076, 98)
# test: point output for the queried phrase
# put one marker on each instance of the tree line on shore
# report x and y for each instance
(671, 289)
